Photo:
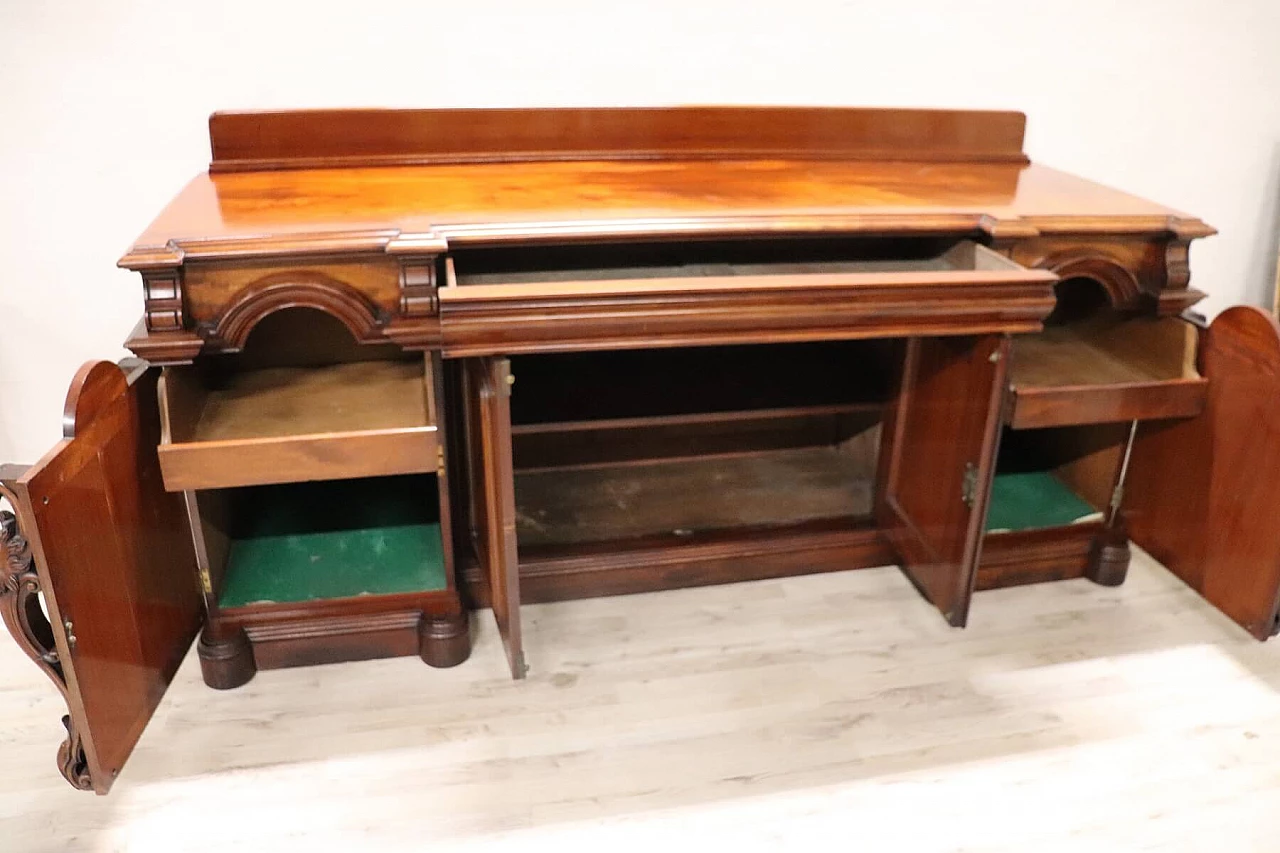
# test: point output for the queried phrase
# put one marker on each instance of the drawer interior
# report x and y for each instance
(1097, 364)
(275, 417)
(655, 262)
(305, 542)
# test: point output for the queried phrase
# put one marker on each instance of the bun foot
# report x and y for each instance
(226, 663)
(1109, 559)
(444, 641)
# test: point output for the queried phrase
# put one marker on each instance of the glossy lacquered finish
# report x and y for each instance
(1202, 493)
(115, 563)
(883, 267)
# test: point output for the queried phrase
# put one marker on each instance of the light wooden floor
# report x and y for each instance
(830, 712)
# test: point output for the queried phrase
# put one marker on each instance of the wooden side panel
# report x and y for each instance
(1201, 494)
(490, 384)
(938, 461)
(116, 562)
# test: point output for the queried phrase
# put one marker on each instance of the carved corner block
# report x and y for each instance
(163, 299)
(23, 616)
(417, 322)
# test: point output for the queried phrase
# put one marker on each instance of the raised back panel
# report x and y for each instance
(247, 141)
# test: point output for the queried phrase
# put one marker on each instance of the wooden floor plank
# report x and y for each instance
(772, 715)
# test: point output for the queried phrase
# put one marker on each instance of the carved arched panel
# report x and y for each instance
(297, 290)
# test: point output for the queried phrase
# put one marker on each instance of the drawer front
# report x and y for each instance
(285, 425)
(966, 289)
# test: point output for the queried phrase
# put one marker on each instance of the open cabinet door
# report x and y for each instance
(97, 533)
(495, 504)
(937, 463)
(1201, 495)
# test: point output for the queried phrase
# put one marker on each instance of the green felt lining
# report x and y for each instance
(313, 541)
(1032, 500)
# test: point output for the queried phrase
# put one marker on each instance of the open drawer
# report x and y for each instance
(565, 298)
(1105, 369)
(227, 428)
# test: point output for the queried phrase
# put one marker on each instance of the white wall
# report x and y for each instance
(103, 107)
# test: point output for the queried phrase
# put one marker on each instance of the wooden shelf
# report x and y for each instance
(292, 424)
(1103, 371)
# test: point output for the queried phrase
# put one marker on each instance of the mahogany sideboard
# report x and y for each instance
(395, 365)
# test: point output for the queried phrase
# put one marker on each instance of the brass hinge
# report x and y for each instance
(511, 380)
(205, 582)
(969, 486)
(439, 460)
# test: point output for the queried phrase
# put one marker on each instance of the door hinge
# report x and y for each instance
(511, 380)
(206, 583)
(70, 628)
(440, 460)
(969, 486)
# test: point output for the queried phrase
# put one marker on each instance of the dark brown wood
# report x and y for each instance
(687, 499)
(289, 424)
(940, 439)
(345, 138)
(642, 440)
(1109, 557)
(227, 662)
(565, 316)
(729, 239)
(496, 540)
(1036, 556)
(1109, 371)
(444, 641)
(660, 563)
(114, 560)
(1201, 493)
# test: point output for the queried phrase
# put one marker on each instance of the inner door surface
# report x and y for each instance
(937, 462)
(494, 505)
(1201, 493)
(116, 564)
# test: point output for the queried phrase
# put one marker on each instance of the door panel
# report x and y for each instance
(495, 502)
(1201, 494)
(937, 463)
(115, 561)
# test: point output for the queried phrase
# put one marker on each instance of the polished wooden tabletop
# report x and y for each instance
(266, 210)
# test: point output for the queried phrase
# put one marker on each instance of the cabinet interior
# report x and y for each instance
(676, 443)
(335, 539)
(1054, 477)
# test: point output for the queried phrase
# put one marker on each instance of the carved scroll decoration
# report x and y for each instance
(25, 619)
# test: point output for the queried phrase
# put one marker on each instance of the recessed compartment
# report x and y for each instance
(319, 541)
(675, 446)
(658, 266)
(1049, 502)
(1095, 365)
(337, 413)
(1054, 477)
